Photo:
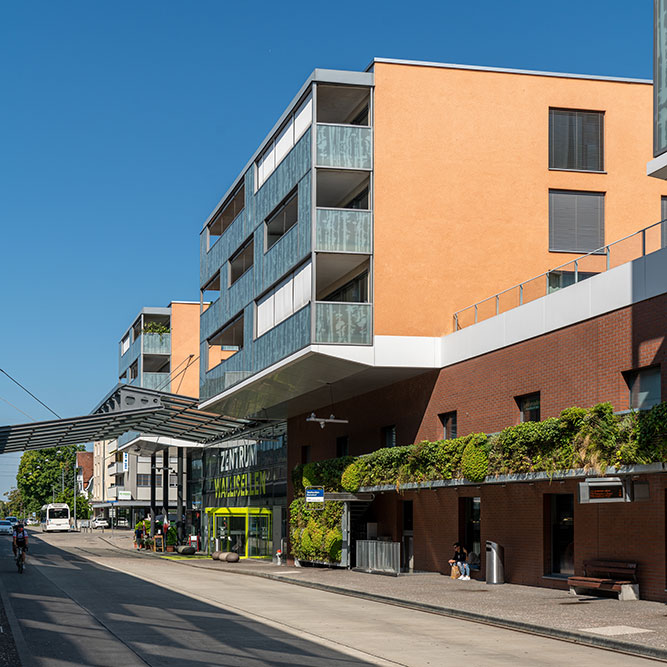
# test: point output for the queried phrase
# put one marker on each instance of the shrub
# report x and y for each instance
(310, 476)
(334, 544)
(297, 478)
(475, 463)
(352, 477)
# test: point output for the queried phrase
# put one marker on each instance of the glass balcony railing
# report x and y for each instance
(344, 230)
(159, 381)
(154, 343)
(343, 323)
(344, 146)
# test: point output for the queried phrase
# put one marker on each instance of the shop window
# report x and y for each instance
(470, 527)
(305, 454)
(560, 517)
(576, 140)
(448, 421)
(529, 407)
(388, 434)
(644, 386)
(342, 448)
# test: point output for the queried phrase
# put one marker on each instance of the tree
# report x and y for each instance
(14, 505)
(43, 472)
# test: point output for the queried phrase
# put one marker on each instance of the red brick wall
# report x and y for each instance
(579, 365)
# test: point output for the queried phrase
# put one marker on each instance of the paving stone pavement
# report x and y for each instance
(642, 622)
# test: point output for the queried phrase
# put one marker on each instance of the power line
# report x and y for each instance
(19, 409)
(29, 392)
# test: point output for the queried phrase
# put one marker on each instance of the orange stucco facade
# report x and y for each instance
(185, 348)
(462, 180)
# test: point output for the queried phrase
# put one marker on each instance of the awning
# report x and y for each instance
(126, 408)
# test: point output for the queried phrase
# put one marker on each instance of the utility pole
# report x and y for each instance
(76, 490)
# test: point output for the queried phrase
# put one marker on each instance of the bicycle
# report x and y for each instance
(19, 558)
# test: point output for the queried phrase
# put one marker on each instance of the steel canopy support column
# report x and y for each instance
(165, 482)
(153, 512)
(180, 509)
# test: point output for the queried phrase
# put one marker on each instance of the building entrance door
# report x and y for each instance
(242, 530)
(562, 534)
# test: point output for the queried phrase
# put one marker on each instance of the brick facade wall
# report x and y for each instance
(579, 365)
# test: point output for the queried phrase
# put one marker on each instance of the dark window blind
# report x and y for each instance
(576, 140)
(576, 220)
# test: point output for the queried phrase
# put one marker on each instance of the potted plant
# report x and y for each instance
(172, 538)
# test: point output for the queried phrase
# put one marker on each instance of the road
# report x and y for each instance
(84, 602)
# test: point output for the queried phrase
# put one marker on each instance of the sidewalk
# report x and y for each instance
(637, 627)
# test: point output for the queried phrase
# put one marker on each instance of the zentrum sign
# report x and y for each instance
(239, 457)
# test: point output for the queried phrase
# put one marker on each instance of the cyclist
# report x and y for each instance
(20, 539)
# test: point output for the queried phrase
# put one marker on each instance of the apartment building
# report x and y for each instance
(383, 202)
(158, 351)
(375, 220)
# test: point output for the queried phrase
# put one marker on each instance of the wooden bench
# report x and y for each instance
(612, 575)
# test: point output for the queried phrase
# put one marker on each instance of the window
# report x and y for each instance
(469, 528)
(211, 291)
(354, 291)
(388, 436)
(229, 211)
(241, 261)
(448, 421)
(576, 140)
(576, 221)
(228, 339)
(285, 299)
(282, 219)
(305, 454)
(644, 386)
(342, 448)
(125, 344)
(173, 480)
(134, 370)
(145, 479)
(284, 141)
(529, 407)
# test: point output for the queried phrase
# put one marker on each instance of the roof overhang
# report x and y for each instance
(127, 408)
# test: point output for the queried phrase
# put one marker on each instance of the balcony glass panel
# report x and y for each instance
(343, 323)
(157, 343)
(159, 381)
(344, 146)
(343, 230)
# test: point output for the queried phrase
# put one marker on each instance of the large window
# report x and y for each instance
(576, 221)
(388, 436)
(145, 480)
(644, 386)
(285, 299)
(283, 142)
(229, 211)
(282, 219)
(241, 261)
(576, 140)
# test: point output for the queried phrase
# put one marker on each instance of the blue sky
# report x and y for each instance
(123, 123)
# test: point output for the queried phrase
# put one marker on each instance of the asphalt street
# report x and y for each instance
(84, 602)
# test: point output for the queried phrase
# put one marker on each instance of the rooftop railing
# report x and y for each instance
(637, 244)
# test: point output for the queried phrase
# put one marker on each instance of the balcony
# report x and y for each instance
(154, 343)
(344, 146)
(115, 468)
(343, 323)
(159, 381)
(117, 493)
(343, 230)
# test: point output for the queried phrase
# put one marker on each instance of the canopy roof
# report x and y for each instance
(126, 408)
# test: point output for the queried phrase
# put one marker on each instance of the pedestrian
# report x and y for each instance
(139, 534)
(459, 560)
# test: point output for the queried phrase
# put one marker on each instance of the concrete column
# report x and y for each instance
(165, 481)
(180, 508)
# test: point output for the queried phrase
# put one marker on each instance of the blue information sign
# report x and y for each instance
(315, 494)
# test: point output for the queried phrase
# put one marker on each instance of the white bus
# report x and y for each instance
(55, 516)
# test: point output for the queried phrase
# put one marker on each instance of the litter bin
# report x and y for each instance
(218, 544)
(495, 555)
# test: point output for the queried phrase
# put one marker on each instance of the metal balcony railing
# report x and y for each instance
(637, 244)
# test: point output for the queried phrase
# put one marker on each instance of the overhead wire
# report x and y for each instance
(29, 392)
